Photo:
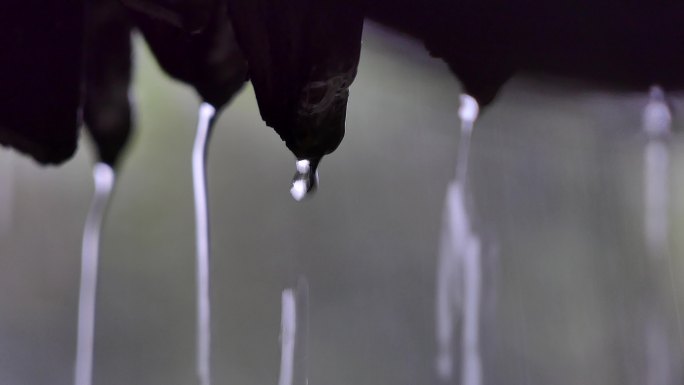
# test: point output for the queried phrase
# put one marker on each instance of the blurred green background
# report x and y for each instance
(556, 194)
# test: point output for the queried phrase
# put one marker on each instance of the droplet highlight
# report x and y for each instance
(305, 180)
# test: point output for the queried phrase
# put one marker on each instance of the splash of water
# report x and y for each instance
(104, 178)
(205, 124)
(305, 180)
(459, 273)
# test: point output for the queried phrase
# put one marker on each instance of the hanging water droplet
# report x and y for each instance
(468, 111)
(305, 180)
(657, 117)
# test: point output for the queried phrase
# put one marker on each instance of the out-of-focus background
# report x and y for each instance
(570, 295)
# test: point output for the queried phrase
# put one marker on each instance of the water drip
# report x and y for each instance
(305, 180)
(6, 192)
(657, 123)
(459, 275)
(104, 178)
(205, 124)
(468, 112)
(294, 335)
(288, 332)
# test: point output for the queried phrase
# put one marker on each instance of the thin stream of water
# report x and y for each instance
(471, 371)
(657, 121)
(205, 124)
(288, 333)
(300, 375)
(294, 335)
(657, 124)
(104, 178)
(459, 272)
(6, 191)
(449, 296)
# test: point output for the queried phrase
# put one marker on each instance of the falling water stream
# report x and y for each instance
(104, 178)
(459, 280)
(459, 273)
(294, 335)
(657, 120)
(288, 333)
(205, 124)
(294, 301)
(6, 191)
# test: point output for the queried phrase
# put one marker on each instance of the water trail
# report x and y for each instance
(6, 191)
(300, 372)
(288, 332)
(459, 272)
(657, 123)
(658, 364)
(104, 178)
(305, 180)
(448, 296)
(199, 182)
(294, 335)
(471, 372)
